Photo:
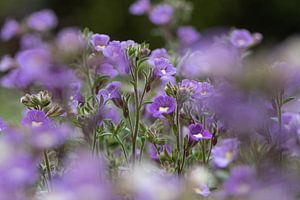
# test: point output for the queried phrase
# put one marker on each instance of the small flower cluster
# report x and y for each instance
(109, 119)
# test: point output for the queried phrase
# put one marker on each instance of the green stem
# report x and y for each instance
(203, 152)
(178, 138)
(94, 141)
(48, 168)
(122, 146)
(142, 150)
(137, 116)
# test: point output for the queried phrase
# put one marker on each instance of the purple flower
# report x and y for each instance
(68, 40)
(30, 41)
(241, 38)
(202, 190)
(187, 35)
(225, 152)
(43, 20)
(115, 53)
(10, 29)
(241, 181)
(6, 63)
(3, 125)
(100, 41)
(107, 69)
(36, 119)
(15, 79)
(162, 105)
(163, 67)
(204, 90)
(49, 137)
(197, 132)
(34, 63)
(188, 87)
(161, 14)
(111, 92)
(17, 171)
(157, 54)
(140, 7)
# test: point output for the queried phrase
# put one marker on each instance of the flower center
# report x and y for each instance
(198, 135)
(241, 42)
(101, 46)
(36, 124)
(163, 71)
(163, 109)
(228, 155)
(203, 92)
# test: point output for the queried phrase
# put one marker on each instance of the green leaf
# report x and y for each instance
(288, 100)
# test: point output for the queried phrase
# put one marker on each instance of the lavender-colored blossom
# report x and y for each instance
(187, 35)
(107, 69)
(225, 152)
(17, 172)
(157, 54)
(10, 29)
(43, 20)
(30, 41)
(49, 137)
(202, 190)
(34, 63)
(15, 79)
(140, 7)
(6, 63)
(100, 41)
(241, 38)
(188, 87)
(202, 62)
(242, 181)
(161, 14)
(111, 92)
(162, 105)
(36, 119)
(3, 125)
(197, 132)
(117, 57)
(204, 90)
(68, 40)
(163, 67)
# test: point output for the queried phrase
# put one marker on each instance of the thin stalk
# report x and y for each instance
(48, 168)
(94, 141)
(209, 152)
(178, 138)
(122, 146)
(137, 116)
(203, 152)
(142, 150)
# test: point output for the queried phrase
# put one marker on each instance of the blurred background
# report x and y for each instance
(275, 19)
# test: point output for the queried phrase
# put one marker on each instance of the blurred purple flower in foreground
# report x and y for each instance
(225, 152)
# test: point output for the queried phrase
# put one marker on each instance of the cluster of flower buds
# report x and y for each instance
(42, 101)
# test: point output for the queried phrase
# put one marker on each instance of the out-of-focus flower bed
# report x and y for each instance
(205, 117)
